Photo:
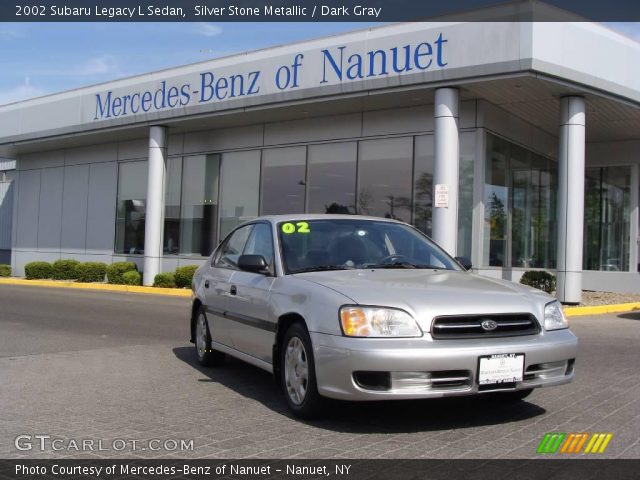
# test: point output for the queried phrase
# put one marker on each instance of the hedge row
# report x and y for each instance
(87, 272)
(90, 272)
(539, 279)
(181, 278)
(118, 273)
(5, 270)
(132, 277)
(165, 280)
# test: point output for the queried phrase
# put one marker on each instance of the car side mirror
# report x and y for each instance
(253, 263)
(464, 263)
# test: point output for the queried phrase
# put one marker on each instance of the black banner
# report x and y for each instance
(530, 469)
(316, 10)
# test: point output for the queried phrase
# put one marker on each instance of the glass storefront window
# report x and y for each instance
(131, 207)
(520, 207)
(283, 180)
(206, 196)
(465, 192)
(385, 177)
(423, 183)
(239, 197)
(199, 206)
(332, 178)
(533, 210)
(606, 219)
(496, 202)
(171, 237)
(423, 188)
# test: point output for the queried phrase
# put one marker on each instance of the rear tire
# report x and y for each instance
(207, 356)
(298, 373)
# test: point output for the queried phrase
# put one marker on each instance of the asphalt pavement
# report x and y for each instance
(95, 374)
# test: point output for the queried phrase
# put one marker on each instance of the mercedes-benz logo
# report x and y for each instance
(489, 325)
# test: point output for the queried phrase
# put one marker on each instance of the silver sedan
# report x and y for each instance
(363, 308)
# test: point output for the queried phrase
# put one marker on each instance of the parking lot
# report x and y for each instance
(117, 370)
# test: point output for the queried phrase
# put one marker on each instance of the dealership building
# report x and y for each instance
(516, 144)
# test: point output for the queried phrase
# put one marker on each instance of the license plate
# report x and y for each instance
(501, 368)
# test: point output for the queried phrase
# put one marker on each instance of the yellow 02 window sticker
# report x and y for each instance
(298, 227)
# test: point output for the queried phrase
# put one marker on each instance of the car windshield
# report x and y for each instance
(343, 244)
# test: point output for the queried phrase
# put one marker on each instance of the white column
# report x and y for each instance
(445, 170)
(633, 218)
(571, 199)
(154, 218)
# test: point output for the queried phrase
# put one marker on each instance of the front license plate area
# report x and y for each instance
(500, 371)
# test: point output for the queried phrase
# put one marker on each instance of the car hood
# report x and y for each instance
(429, 293)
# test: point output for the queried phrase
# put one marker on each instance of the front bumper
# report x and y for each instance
(549, 358)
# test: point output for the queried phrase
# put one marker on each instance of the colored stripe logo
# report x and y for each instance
(573, 443)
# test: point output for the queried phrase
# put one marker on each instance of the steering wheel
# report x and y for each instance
(395, 258)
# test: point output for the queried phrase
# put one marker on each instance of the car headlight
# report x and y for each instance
(554, 318)
(377, 322)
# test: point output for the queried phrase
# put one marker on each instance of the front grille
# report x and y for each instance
(414, 381)
(470, 326)
(446, 379)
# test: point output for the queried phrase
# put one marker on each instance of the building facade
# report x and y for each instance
(514, 144)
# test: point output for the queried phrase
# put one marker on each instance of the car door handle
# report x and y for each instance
(233, 290)
(206, 284)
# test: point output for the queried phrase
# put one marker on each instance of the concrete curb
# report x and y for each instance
(599, 309)
(105, 287)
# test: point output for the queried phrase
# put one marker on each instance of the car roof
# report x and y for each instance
(319, 216)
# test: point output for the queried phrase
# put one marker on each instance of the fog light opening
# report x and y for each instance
(570, 365)
(378, 381)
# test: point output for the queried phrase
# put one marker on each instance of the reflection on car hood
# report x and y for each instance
(428, 293)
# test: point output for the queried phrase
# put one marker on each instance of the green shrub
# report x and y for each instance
(115, 271)
(90, 272)
(184, 276)
(5, 270)
(164, 280)
(132, 277)
(65, 269)
(37, 270)
(539, 279)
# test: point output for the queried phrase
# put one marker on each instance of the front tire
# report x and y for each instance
(207, 356)
(298, 373)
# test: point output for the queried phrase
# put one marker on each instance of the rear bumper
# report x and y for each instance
(548, 361)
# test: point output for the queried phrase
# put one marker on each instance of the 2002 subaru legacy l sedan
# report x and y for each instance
(363, 308)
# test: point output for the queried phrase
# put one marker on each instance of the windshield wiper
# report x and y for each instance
(390, 265)
(403, 265)
(322, 268)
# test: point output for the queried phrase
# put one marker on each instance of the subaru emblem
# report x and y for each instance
(489, 325)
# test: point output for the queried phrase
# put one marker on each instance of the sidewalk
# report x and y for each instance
(173, 292)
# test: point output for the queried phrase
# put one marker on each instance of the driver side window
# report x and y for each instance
(260, 242)
(232, 248)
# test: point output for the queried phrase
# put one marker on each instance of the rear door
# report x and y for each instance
(249, 308)
(218, 284)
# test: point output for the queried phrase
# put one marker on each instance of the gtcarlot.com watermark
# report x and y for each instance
(44, 443)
